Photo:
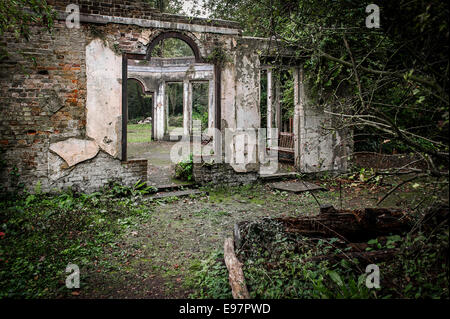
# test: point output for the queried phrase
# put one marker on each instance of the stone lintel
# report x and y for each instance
(183, 23)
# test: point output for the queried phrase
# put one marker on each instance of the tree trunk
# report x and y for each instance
(236, 275)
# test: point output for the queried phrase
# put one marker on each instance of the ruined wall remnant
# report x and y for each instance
(62, 97)
(222, 174)
(319, 147)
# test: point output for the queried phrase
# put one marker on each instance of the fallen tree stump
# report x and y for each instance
(345, 232)
(235, 273)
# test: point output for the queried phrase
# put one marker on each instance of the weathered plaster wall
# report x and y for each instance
(74, 150)
(104, 97)
(320, 147)
(44, 132)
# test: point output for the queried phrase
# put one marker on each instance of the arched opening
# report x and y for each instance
(183, 90)
(139, 119)
(176, 44)
(172, 48)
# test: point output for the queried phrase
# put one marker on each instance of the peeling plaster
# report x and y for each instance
(75, 150)
(104, 97)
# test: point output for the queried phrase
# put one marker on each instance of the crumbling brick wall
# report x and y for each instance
(43, 98)
(120, 8)
(46, 99)
(221, 174)
(44, 93)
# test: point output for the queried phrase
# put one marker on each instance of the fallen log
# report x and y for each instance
(235, 272)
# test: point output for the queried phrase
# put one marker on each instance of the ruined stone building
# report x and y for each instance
(64, 107)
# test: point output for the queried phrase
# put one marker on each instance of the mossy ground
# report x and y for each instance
(134, 247)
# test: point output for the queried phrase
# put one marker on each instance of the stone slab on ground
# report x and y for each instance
(176, 193)
(296, 186)
(173, 187)
(278, 176)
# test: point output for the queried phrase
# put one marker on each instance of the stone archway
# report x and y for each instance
(174, 35)
(140, 82)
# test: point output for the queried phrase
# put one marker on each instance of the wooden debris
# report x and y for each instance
(352, 225)
(236, 275)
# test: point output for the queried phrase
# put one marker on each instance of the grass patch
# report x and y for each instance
(209, 277)
(139, 133)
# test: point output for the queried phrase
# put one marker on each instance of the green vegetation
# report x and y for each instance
(200, 103)
(172, 48)
(175, 121)
(184, 169)
(211, 278)
(13, 17)
(167, 6)
(116, 238)
(280, 266)
(174, 93)
(139, 104)
(218, 56)
(40, 234)
(17, 22)
(393, 80)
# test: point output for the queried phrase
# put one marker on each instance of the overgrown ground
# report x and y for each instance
(130, 246)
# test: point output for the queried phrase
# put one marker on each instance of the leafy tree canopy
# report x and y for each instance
(392, 81)
(17, 16)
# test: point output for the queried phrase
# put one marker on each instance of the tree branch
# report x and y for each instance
(414, 78)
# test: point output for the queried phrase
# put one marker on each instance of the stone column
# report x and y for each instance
(154, 123)
(269, 106)
(211, 106)
(298, 116)
(278, 105)
(187, 107)
(166, 112)
(159, 111)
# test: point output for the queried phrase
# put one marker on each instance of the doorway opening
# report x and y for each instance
(139, 120)
(277, 111)
(200, 94)
(285, 115)
(174, 110)
(182, 88)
